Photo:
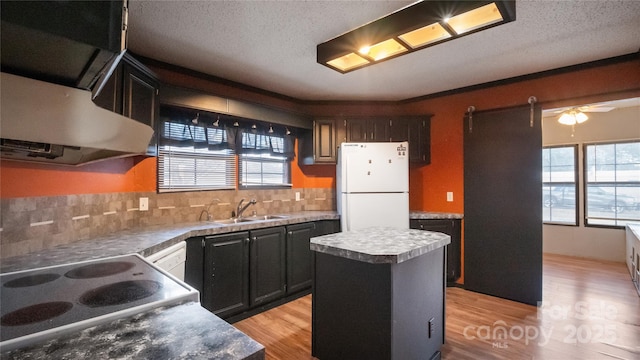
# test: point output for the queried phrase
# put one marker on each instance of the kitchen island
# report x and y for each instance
(378, 294)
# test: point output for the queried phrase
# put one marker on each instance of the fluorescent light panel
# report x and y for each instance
(475, 19)
(425, 35)
(417, 26)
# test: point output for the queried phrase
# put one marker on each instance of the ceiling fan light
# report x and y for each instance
(567, 119)
(572, 117)
(581, 117)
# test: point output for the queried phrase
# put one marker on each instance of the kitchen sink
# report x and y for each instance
(235, 221)
(272, 217)
(250, 219)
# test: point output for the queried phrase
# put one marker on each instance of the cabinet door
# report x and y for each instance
(299, 257)
(226, 274)
(356, 130)
(139, 100)
(110, 97)
(419, 140)
(325, 145)
(267, 276)
(379, 129)
(451, 228)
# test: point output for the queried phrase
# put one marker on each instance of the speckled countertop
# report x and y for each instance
(380, 245)
(432, 215)
(186, 331)
(146, 241)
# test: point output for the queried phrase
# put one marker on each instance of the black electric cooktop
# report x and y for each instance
(42, 303)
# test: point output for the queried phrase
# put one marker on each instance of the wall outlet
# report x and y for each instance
(144, 204)
(297, 196)
(450, 196)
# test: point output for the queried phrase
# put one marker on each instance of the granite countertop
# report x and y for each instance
(431, 215)
(146, 241)
(380, 245)
(186, 331)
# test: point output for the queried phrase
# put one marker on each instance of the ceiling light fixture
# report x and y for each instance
(412, 28)
(572, 117)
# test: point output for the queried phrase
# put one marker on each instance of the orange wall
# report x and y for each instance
(21, 179)
(132, 174)
(428, 184)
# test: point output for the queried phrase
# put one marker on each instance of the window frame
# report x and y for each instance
(287, 173)
(585, 178)
(575, 182)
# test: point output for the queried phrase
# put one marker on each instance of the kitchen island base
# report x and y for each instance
(364, 310)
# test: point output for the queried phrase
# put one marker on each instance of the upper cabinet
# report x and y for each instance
(132, 91)
(62, 42)
(320, 146)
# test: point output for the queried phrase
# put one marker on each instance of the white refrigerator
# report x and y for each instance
(372, 185)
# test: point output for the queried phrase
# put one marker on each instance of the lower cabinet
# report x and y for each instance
(451, 227)
(244, 271)
(299, 257)
(267, 277)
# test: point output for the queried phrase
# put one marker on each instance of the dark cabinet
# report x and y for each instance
(131, 91)
(417, 131)
(299, 257)
(451, 227)
(226, 270)
(320, 146)
(267, 277)
(246, 272)
(368, 129)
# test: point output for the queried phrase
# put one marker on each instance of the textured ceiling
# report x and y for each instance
(272, 44)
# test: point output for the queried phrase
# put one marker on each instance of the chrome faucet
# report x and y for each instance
(240, 209)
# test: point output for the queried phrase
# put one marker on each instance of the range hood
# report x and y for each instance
(45, 122)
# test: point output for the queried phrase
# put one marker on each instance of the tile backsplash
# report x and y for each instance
(36, 223)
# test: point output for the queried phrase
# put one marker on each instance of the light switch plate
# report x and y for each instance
(450, 196)
(297, 196)
(144, 204)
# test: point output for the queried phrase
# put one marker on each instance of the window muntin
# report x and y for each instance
(612, 181)
(559, 185)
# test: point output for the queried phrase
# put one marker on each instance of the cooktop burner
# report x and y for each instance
(41, 303)
(120, 293)
(35, 313)
(31, 280)
(99, 270)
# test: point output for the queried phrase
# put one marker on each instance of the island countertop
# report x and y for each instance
(380, 245)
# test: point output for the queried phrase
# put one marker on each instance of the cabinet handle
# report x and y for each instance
(290, 232)
(247, 240)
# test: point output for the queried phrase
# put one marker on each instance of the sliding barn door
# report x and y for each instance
(503, 204)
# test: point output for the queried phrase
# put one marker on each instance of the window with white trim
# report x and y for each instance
(612, 182)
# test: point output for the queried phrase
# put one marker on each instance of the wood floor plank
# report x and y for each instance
(590, 310)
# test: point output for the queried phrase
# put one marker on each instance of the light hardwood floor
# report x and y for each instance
(590, 310)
